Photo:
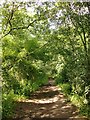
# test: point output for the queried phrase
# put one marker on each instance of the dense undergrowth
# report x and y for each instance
(41, 40)
(9, 98)
(79, 100)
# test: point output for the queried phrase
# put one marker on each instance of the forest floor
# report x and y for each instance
(48, 103)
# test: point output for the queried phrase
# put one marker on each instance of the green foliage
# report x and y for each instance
(66, 88)
(26, 89)
(77, 100)
(31, 45)
(85, 110)
(81, 102)
(53, 39)
(62, 77)
(8, 104)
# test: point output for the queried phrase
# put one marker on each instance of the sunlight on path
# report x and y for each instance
(43, 101)
(48, 102)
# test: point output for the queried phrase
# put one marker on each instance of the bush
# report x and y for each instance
(25, 88)
(8, 104)
(66, 88)
(77, 100)
(59, 80)
(63, 77)
(85, 110)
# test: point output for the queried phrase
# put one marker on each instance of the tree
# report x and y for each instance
(52, 39)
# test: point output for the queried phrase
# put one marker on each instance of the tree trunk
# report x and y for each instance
(88, 59)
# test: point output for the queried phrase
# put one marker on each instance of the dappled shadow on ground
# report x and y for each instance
(46, 104)
(47, 94)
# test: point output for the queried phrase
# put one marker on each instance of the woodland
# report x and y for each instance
(42, 41)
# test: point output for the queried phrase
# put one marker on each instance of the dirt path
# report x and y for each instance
(47, 103)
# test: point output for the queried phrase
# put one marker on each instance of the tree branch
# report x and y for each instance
(18, 28)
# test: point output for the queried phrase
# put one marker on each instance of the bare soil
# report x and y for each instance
(48, 103)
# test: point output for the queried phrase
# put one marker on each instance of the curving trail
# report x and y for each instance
(48, 103)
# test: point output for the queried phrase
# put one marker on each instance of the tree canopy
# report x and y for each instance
(45, 39)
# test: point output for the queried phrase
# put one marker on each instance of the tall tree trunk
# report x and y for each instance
(88, 60)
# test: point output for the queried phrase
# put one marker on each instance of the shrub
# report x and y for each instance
(76, 99)
(66, 88)
(8, 104)
(63, 76)
(85, 110)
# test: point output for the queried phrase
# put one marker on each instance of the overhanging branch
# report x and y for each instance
(18, 28)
